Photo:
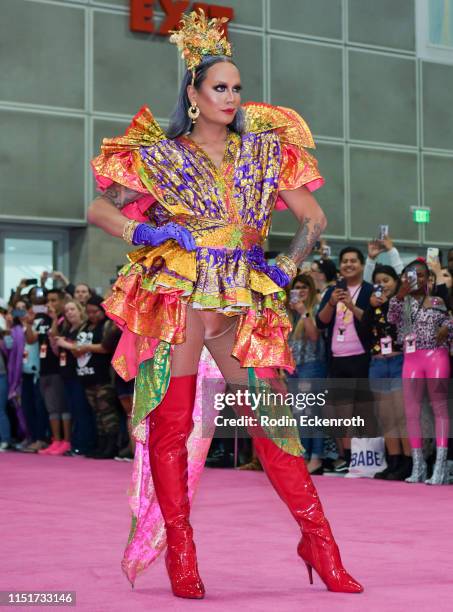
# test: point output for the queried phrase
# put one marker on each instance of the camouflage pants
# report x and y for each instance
(104, 402)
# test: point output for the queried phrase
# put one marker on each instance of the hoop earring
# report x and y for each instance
(193, 112)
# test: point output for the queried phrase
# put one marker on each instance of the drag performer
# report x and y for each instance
(198, 201)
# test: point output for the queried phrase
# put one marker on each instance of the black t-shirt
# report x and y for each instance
(374, 321)
(67, 361)
(48, 359)
(93, 368)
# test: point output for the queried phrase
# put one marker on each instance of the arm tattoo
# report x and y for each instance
(120, 195)
(304, 240)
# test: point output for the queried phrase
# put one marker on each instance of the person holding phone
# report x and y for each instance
(425, 329)
(340, 312)
(46, 309)
(385, 374)
(376, 248)
(308, 347)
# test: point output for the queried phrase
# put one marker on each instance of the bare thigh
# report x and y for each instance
(215, 323)
(215, 331)
(186, 356)
(220, 344)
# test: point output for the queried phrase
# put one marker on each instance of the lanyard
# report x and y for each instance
(346, 315)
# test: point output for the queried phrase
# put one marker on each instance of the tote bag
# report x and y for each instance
(367, 457)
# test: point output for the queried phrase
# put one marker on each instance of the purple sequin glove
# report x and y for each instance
(279, 277)
(256, 260)
(153, 236)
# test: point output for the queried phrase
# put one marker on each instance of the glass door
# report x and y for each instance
(26, 254)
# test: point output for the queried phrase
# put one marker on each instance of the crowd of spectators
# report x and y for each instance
(388, 324)
(58, 393)
(365, 320)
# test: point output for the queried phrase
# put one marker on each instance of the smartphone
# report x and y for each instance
(432, 255)
(31, 281)
(378, 290)
(326, 251)
(383, 231)
(412, 278)
(294, 296)
(39, 309)
(317, 245)
(341, 284)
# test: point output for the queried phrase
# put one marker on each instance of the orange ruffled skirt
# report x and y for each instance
(150, 298)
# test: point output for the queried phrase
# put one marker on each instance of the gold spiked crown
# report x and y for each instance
(198, 36)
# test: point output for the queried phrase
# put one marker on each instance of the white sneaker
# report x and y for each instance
(4, 446)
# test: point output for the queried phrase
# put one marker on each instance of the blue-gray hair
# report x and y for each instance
(180, 122)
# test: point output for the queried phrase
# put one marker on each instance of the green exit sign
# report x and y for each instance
(421, 215)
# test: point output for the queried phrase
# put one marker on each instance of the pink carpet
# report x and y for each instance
(64, 522)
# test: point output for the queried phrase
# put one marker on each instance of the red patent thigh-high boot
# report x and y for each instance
(290, 478)
(170, 426)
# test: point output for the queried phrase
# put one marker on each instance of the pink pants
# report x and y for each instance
(431, 368)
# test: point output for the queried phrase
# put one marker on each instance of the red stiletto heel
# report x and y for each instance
(324, 557)
(318, 549)
(310, 572)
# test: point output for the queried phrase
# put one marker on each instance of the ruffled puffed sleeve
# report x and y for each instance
(120, 162)
(298, 167)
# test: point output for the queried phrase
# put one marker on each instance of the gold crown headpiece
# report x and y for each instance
(199, 36)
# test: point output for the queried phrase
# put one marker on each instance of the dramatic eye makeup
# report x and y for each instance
(223, 86)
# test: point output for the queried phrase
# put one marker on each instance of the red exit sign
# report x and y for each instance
(142, 14)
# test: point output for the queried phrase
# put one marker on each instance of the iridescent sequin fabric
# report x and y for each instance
(227, 209)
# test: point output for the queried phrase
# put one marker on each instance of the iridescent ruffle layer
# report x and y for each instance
(151, 295)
